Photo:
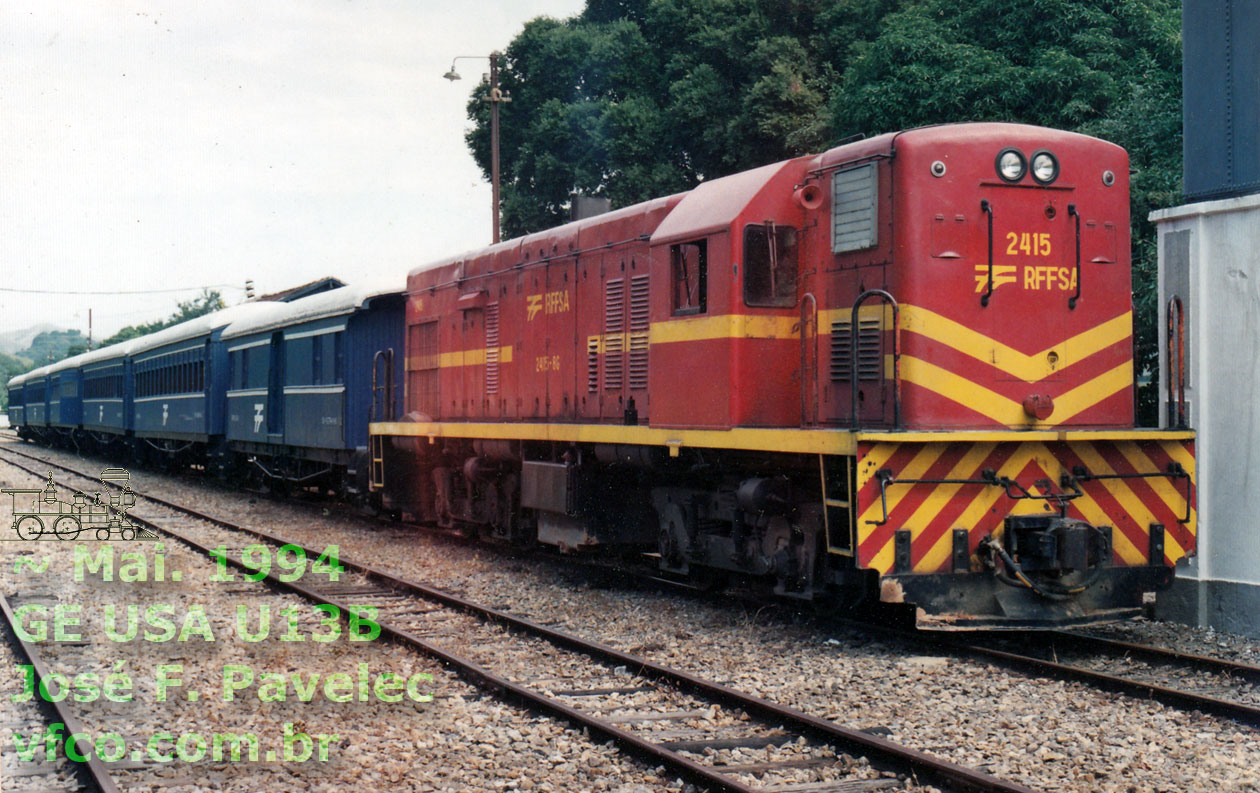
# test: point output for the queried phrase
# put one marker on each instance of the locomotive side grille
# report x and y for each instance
(614, 329)
(592, 364)
(870, 347)
(492, 348)
(854, 209)
(639, 324)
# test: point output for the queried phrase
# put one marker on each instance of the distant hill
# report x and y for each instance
(53, 345)
(15, 341)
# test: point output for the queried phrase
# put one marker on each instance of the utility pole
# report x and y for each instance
(495, 97)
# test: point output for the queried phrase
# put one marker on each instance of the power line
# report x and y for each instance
(119, 291)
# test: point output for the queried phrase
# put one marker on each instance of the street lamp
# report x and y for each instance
(495, 98)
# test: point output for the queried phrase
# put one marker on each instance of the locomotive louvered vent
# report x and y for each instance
(614, 330)
(639, 324)
(870, 343)
(492, 348)
(854, 209)
(592, 364)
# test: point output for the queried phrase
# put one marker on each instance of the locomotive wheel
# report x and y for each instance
(29, 527)
(102, 534)
(128, 533)
(66, 527)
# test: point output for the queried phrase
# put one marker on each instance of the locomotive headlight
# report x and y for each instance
(1045, 168)
(1011, 165)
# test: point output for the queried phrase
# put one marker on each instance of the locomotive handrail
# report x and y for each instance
(1177, 362)
(987, 208)
(1072, 300)
(809, 362)
(853, 350)
(387, 397)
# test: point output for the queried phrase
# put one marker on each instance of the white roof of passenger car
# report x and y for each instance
(332, 303)
(198, 326)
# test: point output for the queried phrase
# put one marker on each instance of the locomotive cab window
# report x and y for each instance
(770, 265)
(689, 265)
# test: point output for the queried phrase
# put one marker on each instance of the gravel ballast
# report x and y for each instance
(1046, 734)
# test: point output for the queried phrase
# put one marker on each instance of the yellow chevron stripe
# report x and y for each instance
(984, 501)
(963, 391)
(1121, 492)
(1008, 411)
(1086, 395)
(1129, 553)
(914, 470)
(940, 498)
(1029, 368)
(987, 497)
(873, 461)
(1164, 488)
(1181, 454)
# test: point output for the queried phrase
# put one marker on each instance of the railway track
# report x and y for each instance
(93, 773)
(661, 715)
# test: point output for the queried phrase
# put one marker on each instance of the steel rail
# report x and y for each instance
(1137, 689)
(93, 771)
(1206, 663)
(881, 752)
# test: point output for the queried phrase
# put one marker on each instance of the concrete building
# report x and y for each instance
(1209, 257)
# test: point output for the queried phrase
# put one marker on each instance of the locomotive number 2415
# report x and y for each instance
(1028, 243)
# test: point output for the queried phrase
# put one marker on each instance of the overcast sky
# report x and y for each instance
(161, 144)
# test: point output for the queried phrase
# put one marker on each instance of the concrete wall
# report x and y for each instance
(1209, 255)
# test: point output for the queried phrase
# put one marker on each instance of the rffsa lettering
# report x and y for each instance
(551, 303)
(1041, 277)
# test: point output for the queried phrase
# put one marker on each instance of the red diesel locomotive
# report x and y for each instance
(901, 370)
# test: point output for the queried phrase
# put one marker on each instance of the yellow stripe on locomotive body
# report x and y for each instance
(929, 488)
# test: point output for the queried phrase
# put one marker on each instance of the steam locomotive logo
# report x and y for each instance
(39, 513)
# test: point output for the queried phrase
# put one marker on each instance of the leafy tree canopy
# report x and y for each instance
(51, 346)
(208, 301)
(633, 99)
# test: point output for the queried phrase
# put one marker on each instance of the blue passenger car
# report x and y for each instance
(177, 381)
(305, 380)
(17, 404)
(36, 388)
(65, 400)
(106, 393)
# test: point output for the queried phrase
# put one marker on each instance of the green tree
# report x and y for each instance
(53, 345)
(10, 367)
(208, 301)
(634, 99)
